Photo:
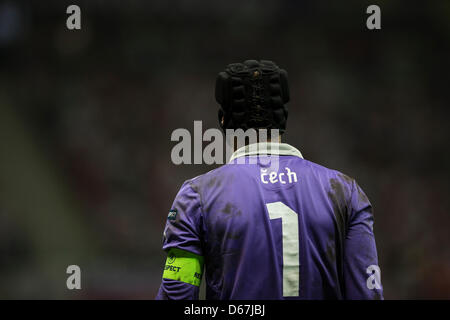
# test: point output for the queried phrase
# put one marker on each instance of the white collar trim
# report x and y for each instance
(269, 148)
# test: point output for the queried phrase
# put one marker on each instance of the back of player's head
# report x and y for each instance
(253, 94)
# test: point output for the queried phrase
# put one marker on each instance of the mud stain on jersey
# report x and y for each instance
(338, 199)
(361, 195)
(337, 196)
(331, 250)
(214, 182)
(346, 178)
(230, 210)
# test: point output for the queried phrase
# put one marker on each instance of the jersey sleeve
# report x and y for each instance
(182, 242)
(362, 275)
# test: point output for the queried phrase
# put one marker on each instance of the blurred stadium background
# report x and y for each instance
(86, 117)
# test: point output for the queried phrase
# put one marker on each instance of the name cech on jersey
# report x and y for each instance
(288, 176)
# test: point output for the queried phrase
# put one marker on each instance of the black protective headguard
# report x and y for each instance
(253, 94)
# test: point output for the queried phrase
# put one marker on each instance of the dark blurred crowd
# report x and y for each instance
(86, 117)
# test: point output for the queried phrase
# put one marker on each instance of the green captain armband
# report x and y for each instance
(183, 266)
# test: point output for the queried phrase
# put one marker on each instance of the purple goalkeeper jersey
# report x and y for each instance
(272, 225)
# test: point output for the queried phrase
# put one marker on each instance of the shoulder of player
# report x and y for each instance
(331, 174)
(207, 178)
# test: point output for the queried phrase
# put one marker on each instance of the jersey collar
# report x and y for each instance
(269, 148)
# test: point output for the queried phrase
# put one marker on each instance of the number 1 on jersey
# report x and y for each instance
(289, 230)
